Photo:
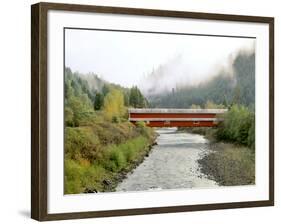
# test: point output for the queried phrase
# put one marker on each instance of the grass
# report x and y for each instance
(229, 165)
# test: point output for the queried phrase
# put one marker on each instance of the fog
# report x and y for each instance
(158, 61)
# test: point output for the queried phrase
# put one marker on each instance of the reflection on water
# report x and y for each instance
(171, 164)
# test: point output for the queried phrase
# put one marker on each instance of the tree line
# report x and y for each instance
(83, 100)
(226, 88)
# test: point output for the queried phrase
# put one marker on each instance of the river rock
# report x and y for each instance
(106, 182)
(90, 190)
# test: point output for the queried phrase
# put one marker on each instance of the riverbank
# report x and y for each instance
(228, 164)
(96, 162)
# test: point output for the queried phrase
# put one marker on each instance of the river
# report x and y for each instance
(171, 164)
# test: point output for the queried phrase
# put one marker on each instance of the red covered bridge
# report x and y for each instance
(177, 117)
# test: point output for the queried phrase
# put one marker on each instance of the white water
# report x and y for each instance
(171, 164)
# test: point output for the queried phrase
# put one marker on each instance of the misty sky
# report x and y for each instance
(126, 58)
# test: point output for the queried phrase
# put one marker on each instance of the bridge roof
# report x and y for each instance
(177, 111)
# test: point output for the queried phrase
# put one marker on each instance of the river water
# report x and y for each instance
(171, 164)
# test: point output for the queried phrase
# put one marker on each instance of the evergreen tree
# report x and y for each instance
(98, 101)
(105, 89)
(136, 99)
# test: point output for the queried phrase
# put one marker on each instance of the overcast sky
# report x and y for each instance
(125, 58)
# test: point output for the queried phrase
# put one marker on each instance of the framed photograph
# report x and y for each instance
(141, 111)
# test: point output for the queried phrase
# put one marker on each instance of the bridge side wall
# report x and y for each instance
(170, 115)
(180, 124)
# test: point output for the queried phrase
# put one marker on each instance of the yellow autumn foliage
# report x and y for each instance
(114, 105)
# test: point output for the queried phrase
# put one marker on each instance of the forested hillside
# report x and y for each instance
(235, 85)
(100, 143)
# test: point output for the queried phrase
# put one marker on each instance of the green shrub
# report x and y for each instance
(115, 119)
(114, 133)
(69, 115)
(251, 134)
(238, 126)
(141, 124)
(128, 150)
(93, 177)
(81, 143)
(118, 157)
(79, 177)
(144, 130)
(72, 173)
